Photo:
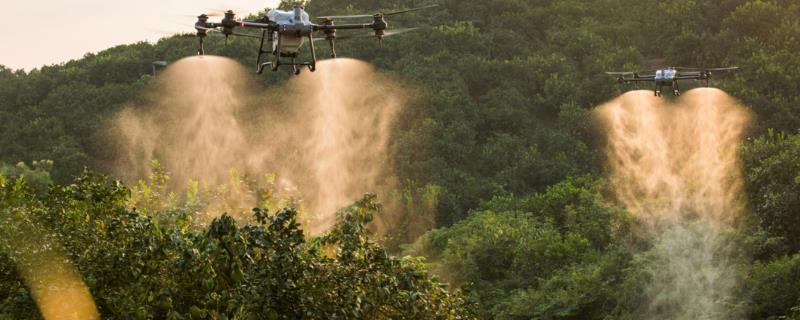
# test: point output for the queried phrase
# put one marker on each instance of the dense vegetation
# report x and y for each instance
(146, 267)
(500, 126)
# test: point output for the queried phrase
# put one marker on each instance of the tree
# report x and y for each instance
(773, 188)
(230, 270)
(555, 254)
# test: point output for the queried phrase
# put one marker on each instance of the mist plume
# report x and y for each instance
(324, 134)
(674, 165)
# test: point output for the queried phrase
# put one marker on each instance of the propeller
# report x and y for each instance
(360, 16)
(722, 69)
(220, 11)
(223, 33)
(364, 16)
(409, 10)
(210, 15)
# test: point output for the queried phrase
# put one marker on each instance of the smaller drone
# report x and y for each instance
(668, 77)
(287, 31)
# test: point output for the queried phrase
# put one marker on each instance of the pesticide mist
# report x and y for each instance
(323, 135)
(674, 166)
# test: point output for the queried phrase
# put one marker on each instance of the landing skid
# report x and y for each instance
(276, 54)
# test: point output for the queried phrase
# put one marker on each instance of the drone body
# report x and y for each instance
(288, 31)
(294, 27)
(668, 77)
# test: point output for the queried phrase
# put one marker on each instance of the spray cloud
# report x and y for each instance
(324, 134)
(674, 166)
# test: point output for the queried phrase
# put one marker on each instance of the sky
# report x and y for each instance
(34, 33)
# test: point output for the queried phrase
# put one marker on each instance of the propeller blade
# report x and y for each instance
(210, 15)
(409, 10)
(222, 8)
(358, 16)
(722, 69)
(618, 72)
(364, 16)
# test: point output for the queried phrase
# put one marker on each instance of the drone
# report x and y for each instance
(668, 77)
(287, 32)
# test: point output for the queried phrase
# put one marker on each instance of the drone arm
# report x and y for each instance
(246, 24)
(692, 77)
(210, 25)
(640, 79)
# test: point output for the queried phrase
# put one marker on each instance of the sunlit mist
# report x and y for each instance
(324, 134)
(674, 165)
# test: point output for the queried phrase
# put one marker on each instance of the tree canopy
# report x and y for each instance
(498, 138)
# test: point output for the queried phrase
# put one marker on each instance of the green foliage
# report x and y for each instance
(155, 197)
(230, 270)
(37, 177)
(774, 286)
(548, 255)
(773, 187)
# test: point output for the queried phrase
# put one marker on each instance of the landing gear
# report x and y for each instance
(312, 66)
(200, 50)
(261, 65)
(277, 53)
(330, 36)
(333, 49)
(295, 69)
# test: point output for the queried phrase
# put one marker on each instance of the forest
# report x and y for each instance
(497, 147)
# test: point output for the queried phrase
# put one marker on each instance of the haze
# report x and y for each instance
(40, 32)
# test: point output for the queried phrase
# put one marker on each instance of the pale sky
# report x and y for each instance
(34, 33)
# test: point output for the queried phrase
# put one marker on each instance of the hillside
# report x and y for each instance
(497, 147)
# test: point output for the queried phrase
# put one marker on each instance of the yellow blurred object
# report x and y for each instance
(57, 287)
